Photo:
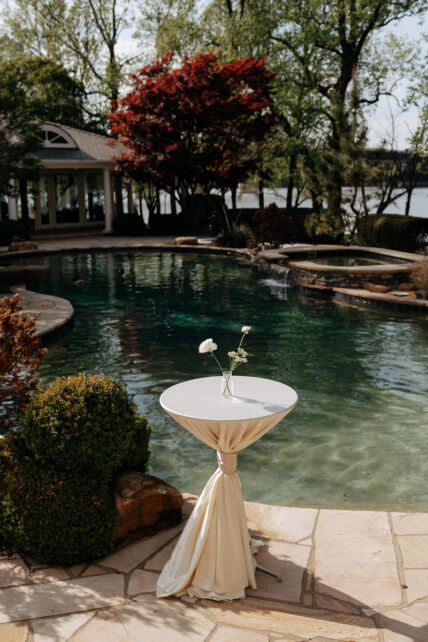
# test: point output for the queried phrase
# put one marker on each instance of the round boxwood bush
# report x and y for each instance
(54, 517)
(85, 425)
(56, 473)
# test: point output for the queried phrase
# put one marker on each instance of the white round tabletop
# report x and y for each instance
(253, 398)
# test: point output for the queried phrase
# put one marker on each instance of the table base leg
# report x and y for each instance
(268, 572)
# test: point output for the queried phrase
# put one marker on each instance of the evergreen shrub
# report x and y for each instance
(57, 472)
(238, 236)
(128, 225)
(394, 232)
(84, 425)
(54, 517)
(9, 229)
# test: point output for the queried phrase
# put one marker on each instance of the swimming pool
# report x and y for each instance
(358, 435)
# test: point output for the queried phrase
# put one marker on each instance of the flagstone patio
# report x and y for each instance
(347, 575)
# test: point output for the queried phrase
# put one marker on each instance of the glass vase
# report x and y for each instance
(227, 384)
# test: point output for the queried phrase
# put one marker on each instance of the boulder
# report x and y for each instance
(145, 504)
(186, 240)
(378, 289)
(19, 246)
(405, 286)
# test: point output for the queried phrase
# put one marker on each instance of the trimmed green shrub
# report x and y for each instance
(9, 229)
(394, 232)
(128, 225)
(56, 473)
(84, 425)
(238, 236)
(137, 455)
(54, 517)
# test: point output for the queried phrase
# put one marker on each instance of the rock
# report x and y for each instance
(379, 289)
(186, 240)
(405, 286)
(19, 246)
(145, 504)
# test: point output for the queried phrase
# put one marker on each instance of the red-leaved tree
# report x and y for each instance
(20, 356)
(195, 128)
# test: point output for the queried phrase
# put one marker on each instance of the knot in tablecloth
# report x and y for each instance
(227, 462)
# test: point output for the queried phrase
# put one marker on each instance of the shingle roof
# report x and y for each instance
(90, 147)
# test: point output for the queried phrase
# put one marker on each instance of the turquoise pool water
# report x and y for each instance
(359, 434)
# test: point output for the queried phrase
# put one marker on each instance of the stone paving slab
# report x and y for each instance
(344, 580)
(55, 598)
(52, 312)
(299, 621)
(355, 559)
(132, 556)
(281, 522)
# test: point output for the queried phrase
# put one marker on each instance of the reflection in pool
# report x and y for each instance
(359, 432)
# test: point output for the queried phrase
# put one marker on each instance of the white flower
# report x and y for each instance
(242, 352)
(207, 346)
(241, 360)
(245, 329)
(232, 354)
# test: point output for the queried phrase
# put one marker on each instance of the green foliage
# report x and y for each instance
(273, 225)
(238, 236)
(394, 232)
(324, 227)
(137, 454)
(128, 224)
(9, 229)
(56, 474)
(82, 425)
(55, 517)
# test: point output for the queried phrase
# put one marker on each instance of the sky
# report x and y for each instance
(380, 120)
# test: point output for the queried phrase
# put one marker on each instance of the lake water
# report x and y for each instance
(419, 202)
(359, 434)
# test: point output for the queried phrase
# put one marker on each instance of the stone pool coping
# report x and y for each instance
(347, 575)
(52, 312)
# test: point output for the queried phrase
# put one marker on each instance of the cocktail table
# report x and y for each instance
(212, 558)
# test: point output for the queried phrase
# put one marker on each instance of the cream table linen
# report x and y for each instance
(212, 558)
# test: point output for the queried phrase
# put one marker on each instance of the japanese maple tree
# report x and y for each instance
(20, 356)
(197, 127)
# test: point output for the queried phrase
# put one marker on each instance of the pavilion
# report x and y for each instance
(77, 188)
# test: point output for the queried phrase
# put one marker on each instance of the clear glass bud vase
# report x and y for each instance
(227, 384)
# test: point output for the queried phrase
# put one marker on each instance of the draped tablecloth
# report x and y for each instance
(212, 558)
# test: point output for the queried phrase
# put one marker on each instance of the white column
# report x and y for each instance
(108, 209)
(11, 204)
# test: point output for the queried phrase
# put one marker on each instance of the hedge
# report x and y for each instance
(394, 232)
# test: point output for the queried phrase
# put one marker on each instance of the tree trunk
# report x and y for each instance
(172, 201)
(408, 200)
(158, 202)
(118, 194)
(261, 195)
(290, 181)
(233, 191)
